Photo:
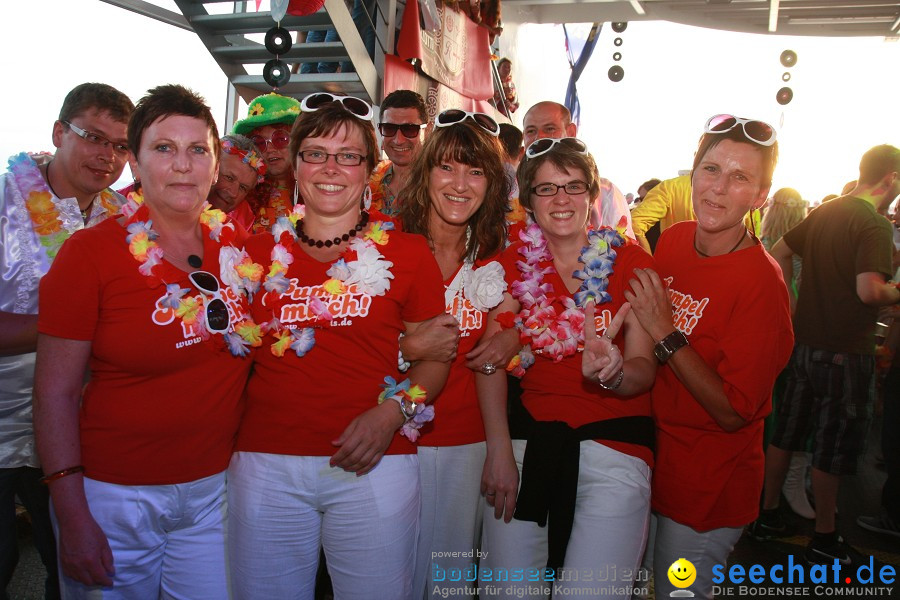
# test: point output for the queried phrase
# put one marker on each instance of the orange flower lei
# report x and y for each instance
(45, 216)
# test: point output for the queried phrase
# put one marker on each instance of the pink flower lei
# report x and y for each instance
(360, 265)
(555, 326)
(236, 271)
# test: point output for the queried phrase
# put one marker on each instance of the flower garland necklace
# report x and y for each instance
(237, 271)
(52, 226)
(361, 265)
(482, 287)
(540, 322)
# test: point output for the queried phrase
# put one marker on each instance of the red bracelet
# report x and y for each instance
(48, 479)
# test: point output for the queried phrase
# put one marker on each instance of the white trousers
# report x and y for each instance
(167, 541)
(450, 517)
(612, 514)
(703, 549)
(283, 508)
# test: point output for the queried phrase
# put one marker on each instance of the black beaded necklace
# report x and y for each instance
(704, 255)
(305, 239)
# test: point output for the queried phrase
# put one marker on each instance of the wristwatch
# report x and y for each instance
(407, 408)
(669, 345)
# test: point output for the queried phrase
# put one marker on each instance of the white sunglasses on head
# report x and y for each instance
(353, 105)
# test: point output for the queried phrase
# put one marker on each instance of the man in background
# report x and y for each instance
(553, 120)
(44, 199)
(402, 129)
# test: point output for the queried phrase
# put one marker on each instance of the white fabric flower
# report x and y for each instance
(486, 286)
(282, 255)
(370, 271)
(229, 257)
(281, 225)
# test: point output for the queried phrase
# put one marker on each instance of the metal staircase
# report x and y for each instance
(227, 37)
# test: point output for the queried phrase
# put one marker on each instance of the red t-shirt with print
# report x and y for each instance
(162, 405)
(459, 421)
(557, 391)
(298, 405)
(734, 311)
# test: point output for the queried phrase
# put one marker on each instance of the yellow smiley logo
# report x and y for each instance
(682, 573)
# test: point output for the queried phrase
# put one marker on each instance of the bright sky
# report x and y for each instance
(846, 90)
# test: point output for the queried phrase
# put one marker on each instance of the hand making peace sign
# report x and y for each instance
(601, 359)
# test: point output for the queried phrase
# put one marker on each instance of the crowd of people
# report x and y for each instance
(277, 347)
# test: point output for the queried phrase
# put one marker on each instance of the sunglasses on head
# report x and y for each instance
(544, 145)
(409, 130)
(215, 312)
(353, 105)
(279, 140)
(455, 115)
(756, 131)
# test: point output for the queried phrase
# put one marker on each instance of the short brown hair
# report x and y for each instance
(164, 101)
(100, 96)
(326, 120)
(405, 99)
(878, 162)
(564, 158)
(466, 143)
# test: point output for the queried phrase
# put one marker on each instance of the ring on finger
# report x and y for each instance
(488, 368)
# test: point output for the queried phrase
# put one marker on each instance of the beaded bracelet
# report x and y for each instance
(48, 479)
(615, 385)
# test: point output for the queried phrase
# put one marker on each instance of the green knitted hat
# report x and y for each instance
(270, 109)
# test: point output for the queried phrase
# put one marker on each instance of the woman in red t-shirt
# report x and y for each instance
(321, 455)
(457, 199)
(718, 308)
(582, 436)
(151, 302)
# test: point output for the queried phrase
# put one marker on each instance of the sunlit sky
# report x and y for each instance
(846, 90)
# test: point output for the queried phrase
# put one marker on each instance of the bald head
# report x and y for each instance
(547, 120)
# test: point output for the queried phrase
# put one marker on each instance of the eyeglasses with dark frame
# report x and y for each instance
(280, 139)
(318, 157)
(215, 311)
(573, 188)
(96, 139)
(409, 130)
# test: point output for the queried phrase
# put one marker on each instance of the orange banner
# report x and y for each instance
(456, 53)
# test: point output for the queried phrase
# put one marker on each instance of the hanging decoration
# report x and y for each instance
(616, 72)
(786, 94)
(278, 42)
(578, 65)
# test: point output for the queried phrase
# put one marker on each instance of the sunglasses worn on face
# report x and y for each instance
(279, 140)
(409, 130)
(215, 312)
(355, 106)
(455, 115)
(544, 145)
(120, 148)
(756, 131)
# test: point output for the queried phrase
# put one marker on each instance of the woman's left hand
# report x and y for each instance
(651, 304)
(601, 359)
(500, 482)
(498, 350)
(367, 437)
